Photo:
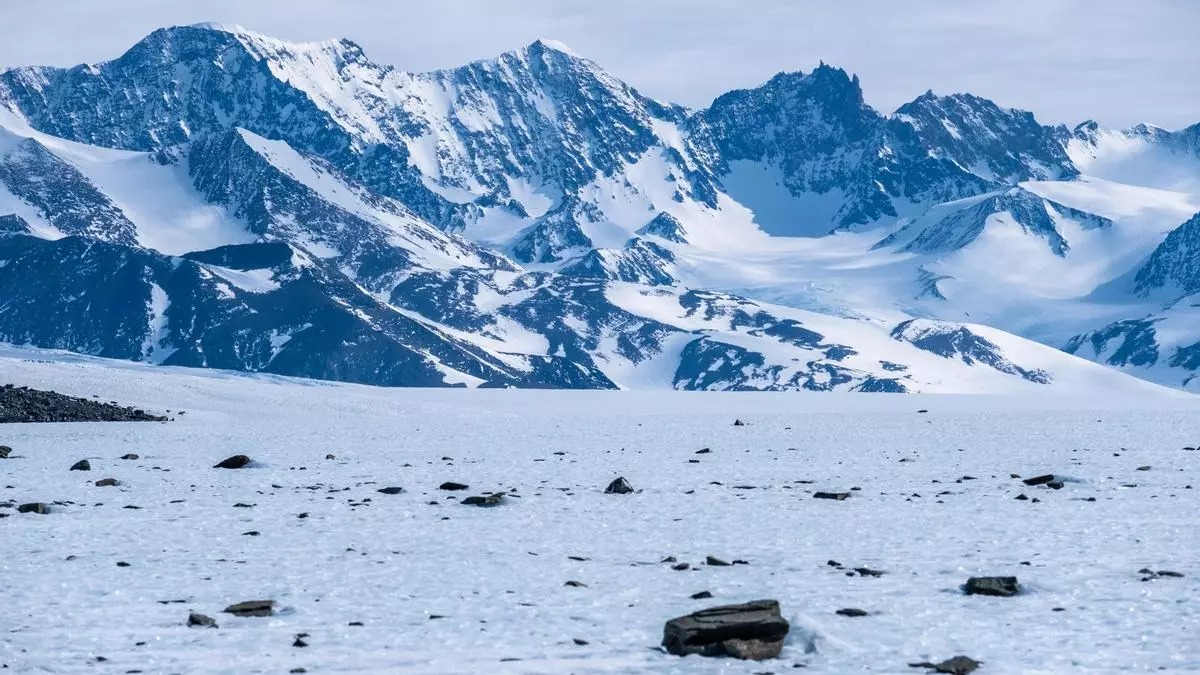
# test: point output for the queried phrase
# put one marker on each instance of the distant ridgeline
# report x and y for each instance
(217, 198)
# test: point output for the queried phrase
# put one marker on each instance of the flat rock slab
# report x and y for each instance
(754, 630)
(452, 486)
(252, 608)
(1003, 587)
(836, 496)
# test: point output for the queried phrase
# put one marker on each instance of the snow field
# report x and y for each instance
(496, 575)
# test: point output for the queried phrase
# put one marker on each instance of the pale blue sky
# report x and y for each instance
(1119, 61)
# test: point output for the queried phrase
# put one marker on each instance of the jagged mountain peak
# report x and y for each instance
(554, 68)
(961, 106)
(550, 44)
(794, 87)
(252, 37)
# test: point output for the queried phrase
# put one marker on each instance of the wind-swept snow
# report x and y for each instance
(443, 588)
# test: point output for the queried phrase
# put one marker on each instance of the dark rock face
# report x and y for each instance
(1134, 342)
(252, 608)
(34, 507)
(959, 228)
(639, 262)
(195, 619)
(957, 342)
(1003, 587)
(22, 404)
(13, 224)
(754, 631)
(234, 462)
(620, 486)
(1173, 264)
(81, 465)
(63, 195)
(485, 500)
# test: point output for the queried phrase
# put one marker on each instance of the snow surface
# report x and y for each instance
(496, 576)
(760, 187)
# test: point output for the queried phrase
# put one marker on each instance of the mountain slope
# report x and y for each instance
(530, 220)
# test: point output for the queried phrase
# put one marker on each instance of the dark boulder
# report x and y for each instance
(620, 486)
(852, 612)
(484, 500)
(5, 451)
(235, 462)
(1039, 480)
(959, 665)
(391, 490)
(1003, 587)
(81, 465)
(195, 619)
(129, 456)
(34, 507)
(754, 631)
(452, 486)
(107, 482)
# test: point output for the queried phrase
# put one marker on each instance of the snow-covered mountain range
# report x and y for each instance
(218, 198)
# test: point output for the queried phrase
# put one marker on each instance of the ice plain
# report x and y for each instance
(445, 588)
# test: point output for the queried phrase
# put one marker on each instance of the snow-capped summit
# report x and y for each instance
(555, 45)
